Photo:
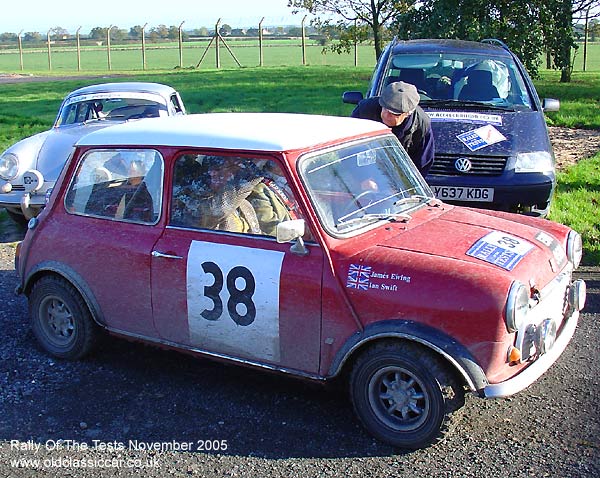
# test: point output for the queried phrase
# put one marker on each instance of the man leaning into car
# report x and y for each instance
(398, 107)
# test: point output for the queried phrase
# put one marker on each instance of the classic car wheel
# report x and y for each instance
(403, 394)
(60, 319)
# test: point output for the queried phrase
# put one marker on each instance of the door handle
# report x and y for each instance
(166, 256)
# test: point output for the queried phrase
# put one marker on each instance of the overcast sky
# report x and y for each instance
(42, 15)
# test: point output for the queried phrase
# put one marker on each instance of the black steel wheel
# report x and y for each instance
(60, 318)
(403, 394)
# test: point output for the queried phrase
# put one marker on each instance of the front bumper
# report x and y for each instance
(19, 201)
(551, 351)
(528, 192)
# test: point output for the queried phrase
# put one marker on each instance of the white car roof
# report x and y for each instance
(244, 131)
(134, 86)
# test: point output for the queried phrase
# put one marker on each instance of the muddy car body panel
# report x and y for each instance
(364, 272)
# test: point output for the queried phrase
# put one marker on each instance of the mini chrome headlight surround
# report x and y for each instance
(517, 306)
(9, 166)
(574, 248)
(534, 162)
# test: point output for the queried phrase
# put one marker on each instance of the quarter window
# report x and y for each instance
(123, 185)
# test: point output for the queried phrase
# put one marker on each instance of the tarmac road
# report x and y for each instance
(132, 410)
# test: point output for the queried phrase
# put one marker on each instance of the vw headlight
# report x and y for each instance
(574, 248)
(534, 162)
(517, 306)
(9, 166)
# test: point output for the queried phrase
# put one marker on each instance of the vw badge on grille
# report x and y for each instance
(463, 165)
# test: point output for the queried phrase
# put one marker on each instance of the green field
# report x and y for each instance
(165, 56)
(30, 107)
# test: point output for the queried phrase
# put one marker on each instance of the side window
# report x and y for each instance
(231, 194)
(123, 185)
(176, 104)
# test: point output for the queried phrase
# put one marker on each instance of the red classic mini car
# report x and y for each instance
(304, 244)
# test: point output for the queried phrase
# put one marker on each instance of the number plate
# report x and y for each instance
(461, 193)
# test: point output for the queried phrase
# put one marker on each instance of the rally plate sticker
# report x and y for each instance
(501, 249)
(481, 137)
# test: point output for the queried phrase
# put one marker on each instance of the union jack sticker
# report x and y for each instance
(358, 277)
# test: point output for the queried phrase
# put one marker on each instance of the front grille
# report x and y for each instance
(444, 165)
(18, 187)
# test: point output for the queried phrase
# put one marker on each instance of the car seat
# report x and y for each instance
(479, 87)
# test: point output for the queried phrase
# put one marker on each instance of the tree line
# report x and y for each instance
(531, 28)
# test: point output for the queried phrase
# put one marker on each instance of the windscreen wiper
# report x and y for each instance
(370, 217)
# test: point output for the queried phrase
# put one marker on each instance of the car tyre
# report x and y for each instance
(60, 319)
(404, 395)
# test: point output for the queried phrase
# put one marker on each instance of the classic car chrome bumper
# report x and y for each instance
(542, 363)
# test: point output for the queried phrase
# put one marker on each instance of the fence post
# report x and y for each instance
(78, 49)
(217, 56)
(20, 49)
(144, 46)
(303, 42)
(49, 53)
(108, 46)
(181, 46)
(260, 42)
(355, 44)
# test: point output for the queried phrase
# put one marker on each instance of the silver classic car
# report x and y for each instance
(29, 168)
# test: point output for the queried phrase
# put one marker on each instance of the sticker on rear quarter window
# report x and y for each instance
(233, 299)
(481, 137)
(501, 249)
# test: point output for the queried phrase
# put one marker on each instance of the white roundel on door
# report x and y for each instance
(233, 299)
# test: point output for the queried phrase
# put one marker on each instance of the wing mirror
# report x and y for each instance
(550, 104)
(293, 230)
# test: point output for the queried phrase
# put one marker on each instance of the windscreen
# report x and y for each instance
(358, 184)
(462, 77)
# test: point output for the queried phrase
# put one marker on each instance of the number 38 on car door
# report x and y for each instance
(233, 299)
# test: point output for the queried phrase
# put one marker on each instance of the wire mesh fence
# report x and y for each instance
(202, 53)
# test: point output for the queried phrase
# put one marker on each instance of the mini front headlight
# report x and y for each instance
(574, 248)
(517, 306)
(534, 162)
(9, 166)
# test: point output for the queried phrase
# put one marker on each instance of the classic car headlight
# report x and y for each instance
(534, 162)
(517, 306)
(574, 248)
(9, 166)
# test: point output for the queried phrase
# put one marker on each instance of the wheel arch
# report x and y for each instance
(72, 277)
(452, 352)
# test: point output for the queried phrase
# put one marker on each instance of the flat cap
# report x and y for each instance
(399, 97)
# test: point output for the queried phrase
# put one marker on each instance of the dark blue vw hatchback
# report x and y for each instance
(492, 144)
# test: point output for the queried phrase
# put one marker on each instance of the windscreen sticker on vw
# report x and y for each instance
(465, 117)
(481, 137)
(501, 249)
(361, 277)
(233, 299)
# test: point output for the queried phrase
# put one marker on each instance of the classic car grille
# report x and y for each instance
(18, 187)
(444, 164)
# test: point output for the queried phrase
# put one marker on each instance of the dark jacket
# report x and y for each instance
(414, 133)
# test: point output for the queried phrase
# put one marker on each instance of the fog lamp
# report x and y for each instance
(545, 336)
(577, 294)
